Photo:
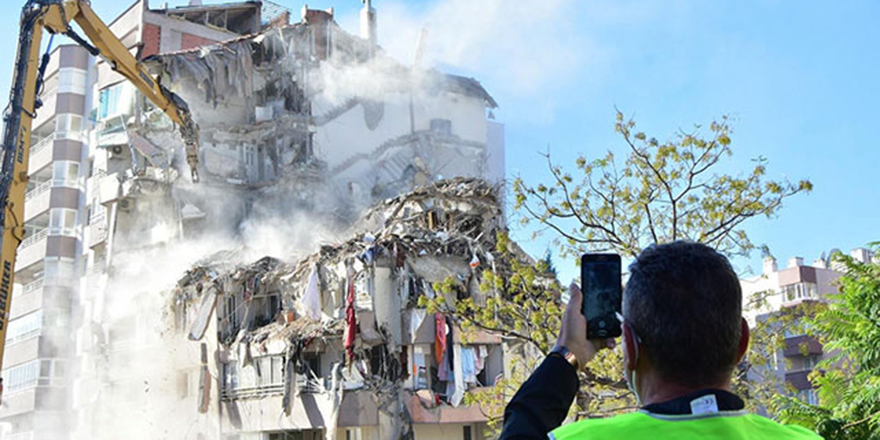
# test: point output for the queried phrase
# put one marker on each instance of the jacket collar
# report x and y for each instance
(726, 401)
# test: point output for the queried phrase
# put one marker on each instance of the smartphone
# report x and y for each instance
(603, 296)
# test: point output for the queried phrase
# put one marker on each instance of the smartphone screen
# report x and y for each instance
(601, 286)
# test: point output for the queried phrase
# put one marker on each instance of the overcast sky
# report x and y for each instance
(800, 80)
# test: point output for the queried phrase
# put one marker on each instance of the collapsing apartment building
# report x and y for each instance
(335, 345)
(301, 122)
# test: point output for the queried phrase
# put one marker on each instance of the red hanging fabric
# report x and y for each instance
(350, 321)
(439, 337)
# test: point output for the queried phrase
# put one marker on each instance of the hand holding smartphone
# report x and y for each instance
(603, 294)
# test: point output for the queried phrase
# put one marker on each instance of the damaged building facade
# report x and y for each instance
(335, 345)
(303, 124)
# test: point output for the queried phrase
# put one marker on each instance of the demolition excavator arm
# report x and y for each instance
(56, 17)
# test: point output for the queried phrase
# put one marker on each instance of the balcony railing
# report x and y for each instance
(42, 144)
(66, 183)
(802, 345)
(33, 286)
(35, 237)
(39, 189)
(250, 392)
(33, 333)
(97, 216)
(29, 435)
(49, 184)
(305, 386)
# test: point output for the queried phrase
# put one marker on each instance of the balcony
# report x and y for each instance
(27, 435)
(97, 232)
(112, 132)
(29, 300)
(18, 403)
(799, 380)
(37, 201)
(32, 250)
(423, 409)
(34, 238)
(42, 188)
(47, 111)
(40, 155)
(251, 392)
(109, 189)
(802, 345)
(359, 408)
(33, 333)
(55, 193)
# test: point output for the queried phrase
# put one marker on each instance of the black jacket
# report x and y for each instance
(542, 402)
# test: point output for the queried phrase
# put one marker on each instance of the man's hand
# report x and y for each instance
(573, 334)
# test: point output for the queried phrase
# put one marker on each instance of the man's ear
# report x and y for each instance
(743, 340)
(631, 348)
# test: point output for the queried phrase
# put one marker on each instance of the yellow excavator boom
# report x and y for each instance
(56, 16)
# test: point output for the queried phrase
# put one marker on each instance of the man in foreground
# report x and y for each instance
(683, 335)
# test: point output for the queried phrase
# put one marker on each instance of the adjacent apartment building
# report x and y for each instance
(777, 289)
(291, 116)
(80, 92)
(37, 348)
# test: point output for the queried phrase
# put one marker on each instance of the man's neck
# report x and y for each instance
(654, 389)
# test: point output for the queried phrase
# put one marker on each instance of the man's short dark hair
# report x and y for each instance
(684, 301)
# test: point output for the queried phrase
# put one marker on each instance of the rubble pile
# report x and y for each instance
(355, 303)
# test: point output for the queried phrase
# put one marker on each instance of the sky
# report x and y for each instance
(799, 80)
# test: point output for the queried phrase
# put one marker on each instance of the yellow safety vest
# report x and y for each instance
(646, 425)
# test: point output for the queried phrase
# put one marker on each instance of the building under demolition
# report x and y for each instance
(336, 342)
(276, 299)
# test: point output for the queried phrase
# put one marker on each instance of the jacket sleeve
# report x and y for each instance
(542, 402)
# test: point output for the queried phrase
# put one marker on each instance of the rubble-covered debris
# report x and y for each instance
(355, 303)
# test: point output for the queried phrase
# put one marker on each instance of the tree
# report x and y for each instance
(551, 267)
(849, 380)
(660, 192)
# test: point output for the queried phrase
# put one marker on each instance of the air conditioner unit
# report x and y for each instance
(116, 150)
(126, 205)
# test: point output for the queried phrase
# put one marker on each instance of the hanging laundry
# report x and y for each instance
(449, 344)
(443, 370)
(250, 287)
(312, 296)
(450, 388)
(404, 287)
(458, 376)
(439, 337)
(468, 365)
(417, 317)
(350, 322)
(475, 262)
(420, 369)
(482, 354)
